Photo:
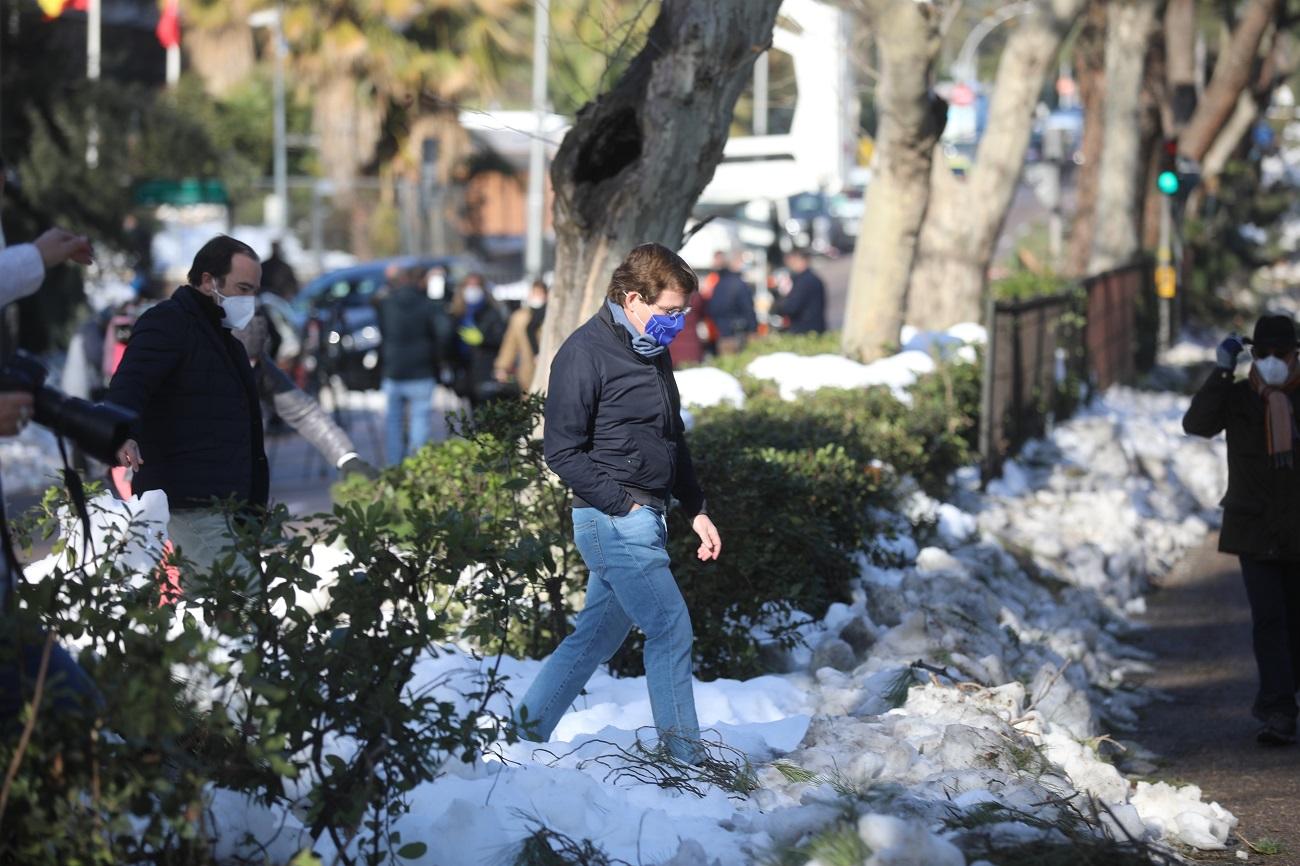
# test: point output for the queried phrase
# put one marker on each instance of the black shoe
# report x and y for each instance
(1278, 730)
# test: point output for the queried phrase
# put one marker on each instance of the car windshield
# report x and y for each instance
(356, 287)
(806, 204)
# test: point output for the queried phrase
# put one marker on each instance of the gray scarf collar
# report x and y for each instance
(642, 344)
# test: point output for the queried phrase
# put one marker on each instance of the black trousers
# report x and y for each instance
(1273, 588)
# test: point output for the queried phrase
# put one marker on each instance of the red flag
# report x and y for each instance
(168, 30)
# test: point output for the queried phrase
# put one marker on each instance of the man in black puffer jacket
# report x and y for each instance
(199, 437)
(614, 435)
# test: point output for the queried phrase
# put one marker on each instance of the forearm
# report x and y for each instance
(1208, 413)
(686, 486)
(21, 272)
(314, 424)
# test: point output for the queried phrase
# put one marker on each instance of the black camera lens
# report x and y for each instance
(99, 429)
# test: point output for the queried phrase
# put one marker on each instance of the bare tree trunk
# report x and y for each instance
(1233, 73)
(1090, 71)
(638, 157)
(911, 121)
(347, 124)
(1129, 27)
(965, 217)
(1278, 66)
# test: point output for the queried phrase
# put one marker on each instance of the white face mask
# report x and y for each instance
(1273, 371)
(536, 303)
(436, 286)
(473, 295)
(239, 309)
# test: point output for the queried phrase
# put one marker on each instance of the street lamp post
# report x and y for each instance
(279, 216)
(537, 147)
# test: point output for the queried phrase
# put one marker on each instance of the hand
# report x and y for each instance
(503, 377)
(129, 455)
(354, 465)
(1229, 349)
(710, 543)
(15, 412)
(57, 246)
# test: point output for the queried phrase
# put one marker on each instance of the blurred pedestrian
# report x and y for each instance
(278, 277)
(480, 327)
(730, 307)
(296, 408)
(1261, 511)
(803, 306)
(614, 435)
(408, 326)
(691, 345)
(517, 359)
(199, 438)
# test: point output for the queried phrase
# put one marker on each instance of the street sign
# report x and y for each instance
(1166, 281)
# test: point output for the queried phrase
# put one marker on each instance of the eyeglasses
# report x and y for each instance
(1271, 352)
(678, 311)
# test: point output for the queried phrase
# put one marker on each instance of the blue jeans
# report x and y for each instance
(418, 394)
(629, 583)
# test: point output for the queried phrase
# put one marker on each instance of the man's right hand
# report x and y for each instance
(1228, 351)
(57, 246)
(15, 412)
(129, 455)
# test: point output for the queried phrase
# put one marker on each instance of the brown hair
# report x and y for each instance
(649, 270)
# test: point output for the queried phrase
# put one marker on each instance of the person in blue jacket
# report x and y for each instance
(614, 435)
(803, 308)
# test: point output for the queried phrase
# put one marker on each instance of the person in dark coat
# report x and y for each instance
(480, 327)
(731, 307)
(278, 277)
(614, 435)
(1261, 511)
(803, 308)
(410, 331)
(296, 408)
(199, 435)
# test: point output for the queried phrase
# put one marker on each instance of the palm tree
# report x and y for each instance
(382, 76)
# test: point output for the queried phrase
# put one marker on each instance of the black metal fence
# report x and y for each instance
(1047, 355)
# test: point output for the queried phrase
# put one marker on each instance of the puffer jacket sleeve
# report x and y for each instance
(571, 401)
(1208, 414)
(157, 348)
(301, 412)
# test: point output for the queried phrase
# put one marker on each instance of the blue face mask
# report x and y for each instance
(663, 328)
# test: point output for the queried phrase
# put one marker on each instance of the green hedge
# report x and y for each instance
(791, 487)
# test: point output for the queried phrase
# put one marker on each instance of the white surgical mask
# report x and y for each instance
(536, 303)
(1272, 370)
(436, 286)
(239, 309)
(473, 295)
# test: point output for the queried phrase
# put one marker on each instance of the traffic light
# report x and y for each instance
(1168, 180)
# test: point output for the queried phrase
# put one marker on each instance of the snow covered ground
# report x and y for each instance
(1016, 602)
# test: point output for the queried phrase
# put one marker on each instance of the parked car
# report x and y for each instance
(340, 325)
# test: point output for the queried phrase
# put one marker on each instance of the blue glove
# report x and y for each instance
(1228, 351)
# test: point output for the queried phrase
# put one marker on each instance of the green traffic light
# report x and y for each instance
(1167, 182)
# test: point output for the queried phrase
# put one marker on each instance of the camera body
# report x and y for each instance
(99, 429)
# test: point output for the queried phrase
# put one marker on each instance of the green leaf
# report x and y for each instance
(411, 850)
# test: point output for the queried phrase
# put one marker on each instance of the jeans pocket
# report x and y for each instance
(586, 537)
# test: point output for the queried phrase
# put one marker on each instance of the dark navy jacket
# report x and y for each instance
(200, 426)
(732, 305)
(614, 431)
(805, 306)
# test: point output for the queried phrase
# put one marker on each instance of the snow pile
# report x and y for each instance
(29, 462)
(798, 374)
(974, 672)
(702, 387)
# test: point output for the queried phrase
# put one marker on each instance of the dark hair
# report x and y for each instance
(649, 270)
(215, 256)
